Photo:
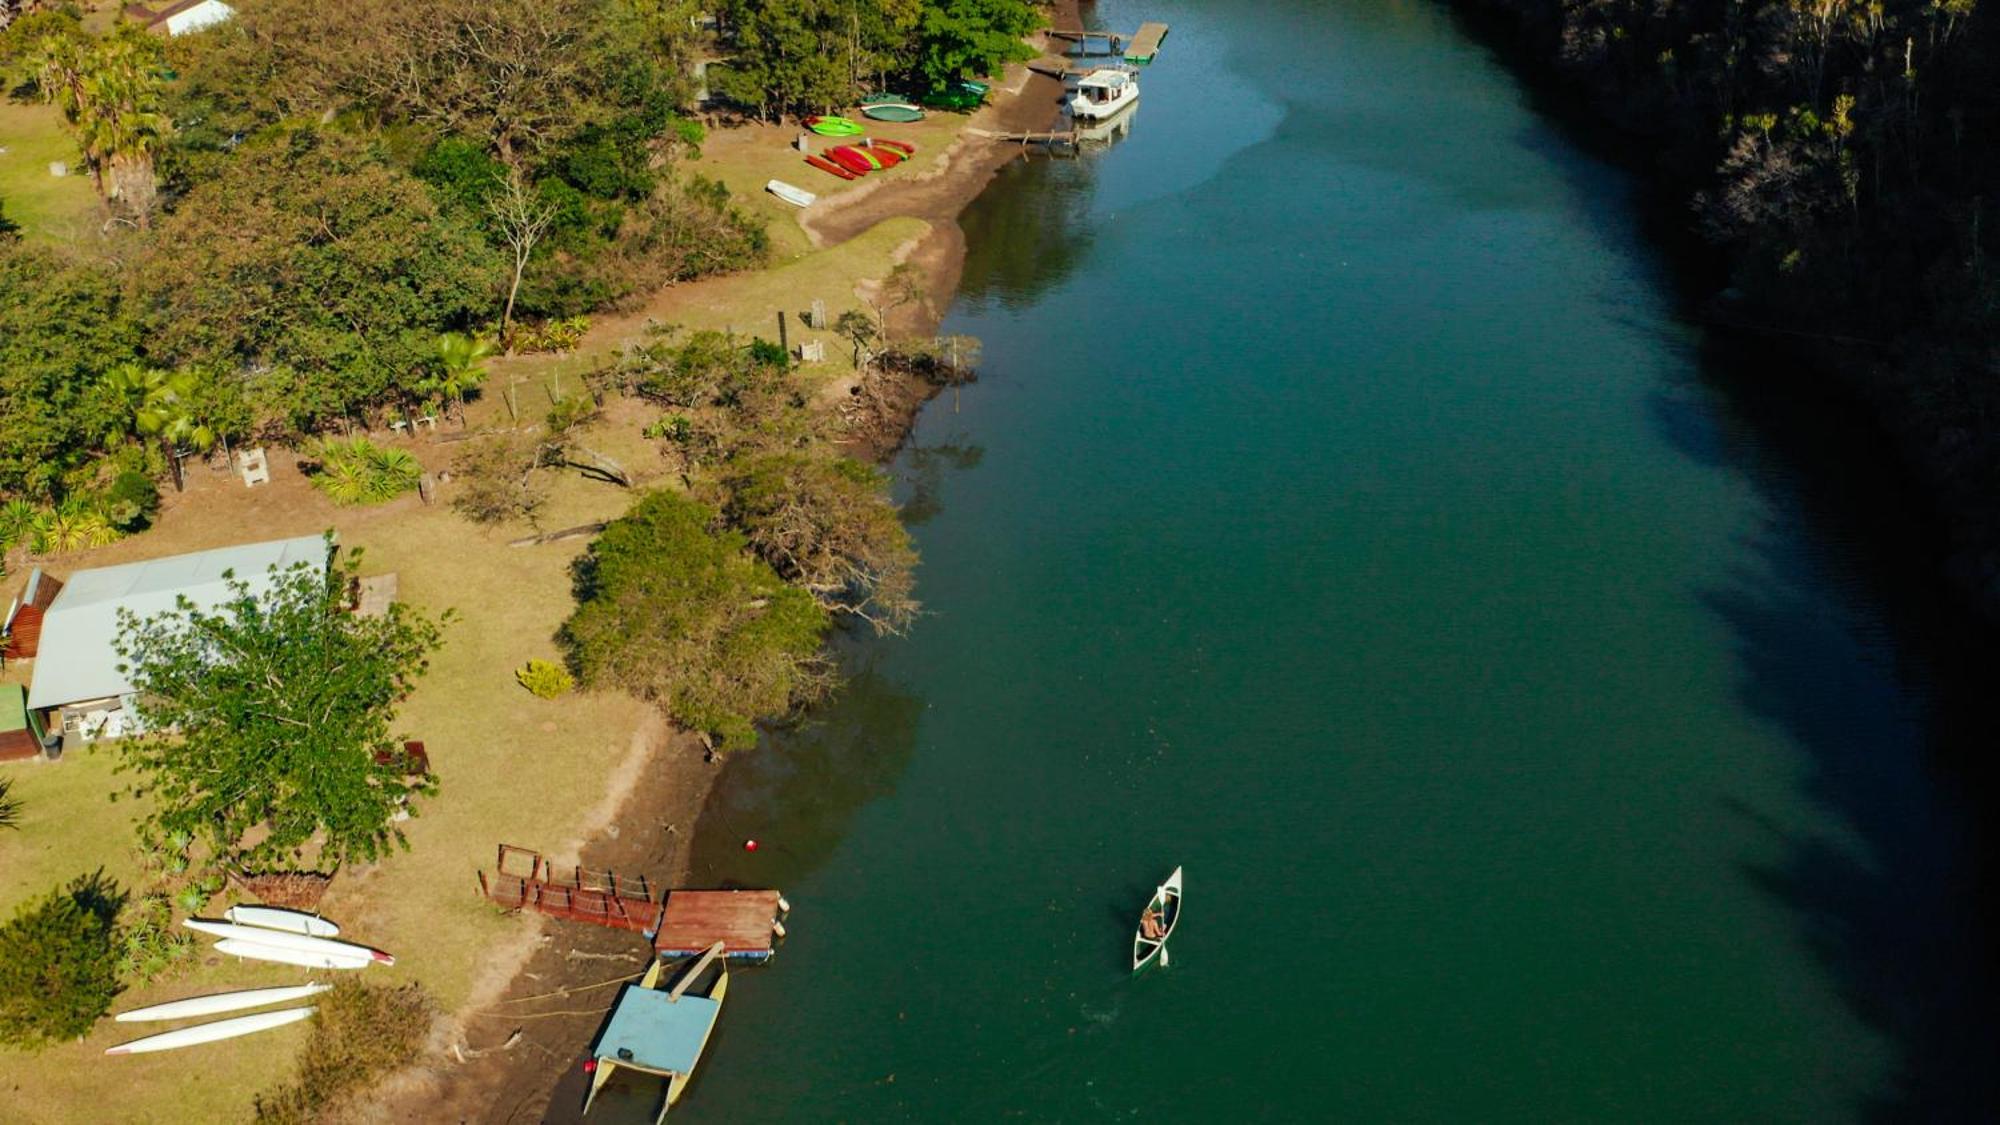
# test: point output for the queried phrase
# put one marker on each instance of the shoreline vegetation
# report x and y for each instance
(548, 310)
(1836, 160)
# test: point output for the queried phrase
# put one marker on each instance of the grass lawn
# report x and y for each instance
(47, 208)
(512, 768)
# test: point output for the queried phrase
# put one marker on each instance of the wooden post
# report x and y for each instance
(784, 341)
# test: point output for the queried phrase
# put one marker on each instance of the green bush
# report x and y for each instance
(131, 500)
(357, 471)
(149, 945)
(544, 678)
(10, 805)
(59, 963)
(361, 1032)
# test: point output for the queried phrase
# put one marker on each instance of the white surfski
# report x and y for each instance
(211, 1032)
(279, 939)
(278, 918)
(237, 947)
(218, 1002)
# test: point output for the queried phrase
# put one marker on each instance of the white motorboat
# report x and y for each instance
(1103, 92)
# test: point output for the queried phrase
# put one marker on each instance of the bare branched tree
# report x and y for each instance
(523, 217)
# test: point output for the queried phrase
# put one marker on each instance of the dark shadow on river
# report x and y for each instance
(1899, 906)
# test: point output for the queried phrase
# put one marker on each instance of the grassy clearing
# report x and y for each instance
(512, 767)
(48, 208)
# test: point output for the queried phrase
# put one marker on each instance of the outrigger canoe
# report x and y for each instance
(219, 1002)
(281, 939)
(648, 1050)
(1167, 901)
(211, 1032)
(278, 918)
(834, 126)
(825, 165)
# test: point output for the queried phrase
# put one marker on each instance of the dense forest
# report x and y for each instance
(1840, 155)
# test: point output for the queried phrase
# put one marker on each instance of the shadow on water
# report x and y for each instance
(1027, 233)
(1898, 909)
(920, 476)
(812, 779)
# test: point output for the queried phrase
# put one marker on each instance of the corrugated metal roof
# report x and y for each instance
(79, 659)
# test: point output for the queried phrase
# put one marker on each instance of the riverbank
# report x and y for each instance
(510, 1053)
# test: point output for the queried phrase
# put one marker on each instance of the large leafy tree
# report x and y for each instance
(59, 963)
(313, 257)
(62, 321)
(674, 610)
(269, 719)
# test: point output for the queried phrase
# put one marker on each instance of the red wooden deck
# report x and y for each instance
(741, 920)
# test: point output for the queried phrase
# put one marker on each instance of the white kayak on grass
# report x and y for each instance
(211, 1032)
(219, 1002)
(279, 939)
(237, 947)
(278, 918)
(796, 196)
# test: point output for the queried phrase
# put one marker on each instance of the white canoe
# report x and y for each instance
(219, 1002)
(796, 196)
(279, 939)
(237, 947)
(278, 918)
(211, 1032)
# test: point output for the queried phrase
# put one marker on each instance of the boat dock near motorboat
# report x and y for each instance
(1140, 47)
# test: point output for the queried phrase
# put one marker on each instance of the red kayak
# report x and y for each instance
(825, 165)
(904, 147)
(888, 156)
(852, 159)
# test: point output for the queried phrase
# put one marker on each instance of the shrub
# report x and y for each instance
(495, 482)
(59, 963)
(357, 471)
(149, 945)
(361, 1032)
(544, 678)
(131, 501)
(18, 520)
(10, 805)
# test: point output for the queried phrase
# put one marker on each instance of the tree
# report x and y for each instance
(967, 38)
(162, 404)
(62, 322)
(826, 524)
(675, 611)
(109, 92)
(523, 217)
(269, 719)
(59, 963)
(461, 366)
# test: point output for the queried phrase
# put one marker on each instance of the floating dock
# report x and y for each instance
(1146, 44)
(747, 923)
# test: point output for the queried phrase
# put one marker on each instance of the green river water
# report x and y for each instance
(1346, 511)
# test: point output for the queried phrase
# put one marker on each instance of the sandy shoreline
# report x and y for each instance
(506, 1055)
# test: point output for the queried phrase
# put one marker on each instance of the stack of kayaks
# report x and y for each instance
(854, 161)
(265, 933)
(830, 126)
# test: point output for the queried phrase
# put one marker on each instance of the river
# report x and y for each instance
(1546, 709)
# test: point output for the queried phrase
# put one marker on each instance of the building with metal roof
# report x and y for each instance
(76, 667)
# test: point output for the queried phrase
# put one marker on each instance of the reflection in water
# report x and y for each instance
(1024, 243)
(812, 779)
(922, 470)
(1894, 907)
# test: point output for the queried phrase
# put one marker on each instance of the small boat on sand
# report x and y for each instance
(1156, 923)
(278, 918)
(900, 112)
(646, 1055)
(219, 1002)
(825, 165)
(236, 947)
(279, 939)
(1102, 93)
(211, 1032)
(831, 126)
(796, 196)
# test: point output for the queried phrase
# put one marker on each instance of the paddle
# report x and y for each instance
(1163, 955)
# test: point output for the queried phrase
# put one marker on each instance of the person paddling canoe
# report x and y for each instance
(1151, 925)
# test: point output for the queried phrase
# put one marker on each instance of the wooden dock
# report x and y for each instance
(525, 880)
(1146, 45)
(747, 923)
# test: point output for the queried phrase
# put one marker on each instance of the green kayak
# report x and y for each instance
(893, 111)
(834, 126)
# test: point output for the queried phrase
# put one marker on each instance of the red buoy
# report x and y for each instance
(749, 845)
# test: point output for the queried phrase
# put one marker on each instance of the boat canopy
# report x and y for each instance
(1105, 79)
(653, 1032)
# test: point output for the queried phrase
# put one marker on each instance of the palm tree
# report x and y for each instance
(10, 808)
(161, 404)
(461, 367)
(109, 92)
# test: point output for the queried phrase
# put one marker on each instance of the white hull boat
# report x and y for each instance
(279, 939)
(211, 1032)
(1103, 93)
(236, 947)
(217, 1003)
(278, 918)
(796, 196)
